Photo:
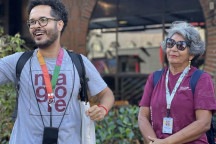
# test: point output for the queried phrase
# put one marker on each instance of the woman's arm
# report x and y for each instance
(144, 124)
(190, 132)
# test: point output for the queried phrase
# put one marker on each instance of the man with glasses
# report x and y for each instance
(171, 112)
(49, 83)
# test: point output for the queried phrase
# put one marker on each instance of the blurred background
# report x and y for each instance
(122, 39)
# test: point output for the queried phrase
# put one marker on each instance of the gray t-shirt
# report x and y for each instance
(28, 128)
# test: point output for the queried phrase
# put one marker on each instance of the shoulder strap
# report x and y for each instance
(19, 66)
(77, 60)
(157, 75)
(193, 81)
(194, 78)
(21, 62)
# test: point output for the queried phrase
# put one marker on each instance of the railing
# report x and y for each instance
(130, 86)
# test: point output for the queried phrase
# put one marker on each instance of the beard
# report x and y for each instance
(52, 37)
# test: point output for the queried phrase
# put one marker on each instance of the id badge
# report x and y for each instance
(50, 135)
(167, 125)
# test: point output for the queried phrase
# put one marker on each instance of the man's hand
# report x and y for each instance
(96, 113)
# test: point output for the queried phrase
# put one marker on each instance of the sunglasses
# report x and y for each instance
(181, 45)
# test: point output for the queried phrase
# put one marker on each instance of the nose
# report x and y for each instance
(174, 47)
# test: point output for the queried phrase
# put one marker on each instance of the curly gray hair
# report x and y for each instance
(190, 34)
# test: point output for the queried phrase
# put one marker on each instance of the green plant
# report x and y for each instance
(8, 45)
(7, 102)
(120, 126)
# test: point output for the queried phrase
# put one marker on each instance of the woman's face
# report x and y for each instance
(176, 56)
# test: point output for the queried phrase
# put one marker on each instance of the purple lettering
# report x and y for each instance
(61, 79)
(60, 92)
(41, 94)
(49, 108)
(39, 77)
(60, 105)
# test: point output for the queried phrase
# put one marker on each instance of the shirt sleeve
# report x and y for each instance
(8, 68)
(148, 89)
(96, 83)
(204, 93)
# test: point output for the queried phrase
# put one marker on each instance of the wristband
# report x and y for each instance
(103, 108)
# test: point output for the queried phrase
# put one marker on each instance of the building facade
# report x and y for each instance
(13, 18)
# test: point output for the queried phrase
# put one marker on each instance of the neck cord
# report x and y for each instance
(70, 96)
(30, 64)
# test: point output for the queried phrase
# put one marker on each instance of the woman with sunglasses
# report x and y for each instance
(170, 113)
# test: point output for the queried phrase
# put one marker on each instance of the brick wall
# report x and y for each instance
(74, 37)
(210, 18)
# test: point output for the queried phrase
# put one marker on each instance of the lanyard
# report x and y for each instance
(58, 62)
(169, 97)
(46, 76)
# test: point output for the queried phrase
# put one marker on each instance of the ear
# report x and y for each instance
(60, 25)
(191, 57)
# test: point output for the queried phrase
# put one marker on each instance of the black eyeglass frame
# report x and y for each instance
(29, 22)
(180, 45)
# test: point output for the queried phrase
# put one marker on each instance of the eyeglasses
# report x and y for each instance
(181, 45)
(43, 21)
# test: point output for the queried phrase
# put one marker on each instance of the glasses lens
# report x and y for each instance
(170, 43)
(30, 23)
(43, 21)
(181, 45)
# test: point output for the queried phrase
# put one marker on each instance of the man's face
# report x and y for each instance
(43, 31)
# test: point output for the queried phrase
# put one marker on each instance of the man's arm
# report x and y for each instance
(106, 100)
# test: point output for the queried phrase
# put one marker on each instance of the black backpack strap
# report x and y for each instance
(157, 75)
(77, 60)
(194, 78)
(83, 92)
(21, 62)
(19, 66)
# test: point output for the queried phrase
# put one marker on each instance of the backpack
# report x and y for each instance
(75, 58)
(193, 81)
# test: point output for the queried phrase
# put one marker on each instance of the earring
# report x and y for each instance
(189, 65)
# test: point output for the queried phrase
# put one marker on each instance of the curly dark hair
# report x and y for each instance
(58, 9)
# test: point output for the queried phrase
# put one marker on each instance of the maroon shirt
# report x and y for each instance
(183, 105)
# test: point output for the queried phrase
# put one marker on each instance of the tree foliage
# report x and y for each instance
(8, 45)
(119, 127)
